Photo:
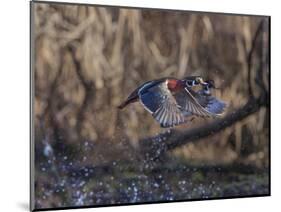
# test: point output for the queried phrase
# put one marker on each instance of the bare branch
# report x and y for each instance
(263, 65)
(250, 57)
(174, 138)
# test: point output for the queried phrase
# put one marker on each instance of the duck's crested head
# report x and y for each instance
(193, 81)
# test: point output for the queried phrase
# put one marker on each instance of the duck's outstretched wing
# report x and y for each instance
(210, 103)
(216, 106)
(159, 101)
(190, 105)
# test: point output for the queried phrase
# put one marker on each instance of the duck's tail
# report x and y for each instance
(131, 99)
(124, 104)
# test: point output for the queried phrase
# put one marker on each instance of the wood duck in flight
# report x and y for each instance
(171, 100)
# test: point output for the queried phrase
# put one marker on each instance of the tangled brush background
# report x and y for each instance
(88, 59)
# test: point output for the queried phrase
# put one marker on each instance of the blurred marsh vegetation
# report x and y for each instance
(88, 59)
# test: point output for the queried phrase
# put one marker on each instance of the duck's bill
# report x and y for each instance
(204, 83)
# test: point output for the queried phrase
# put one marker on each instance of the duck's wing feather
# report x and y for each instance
(215, 105)
(211, 103)
(159, 101)
(188, 102)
